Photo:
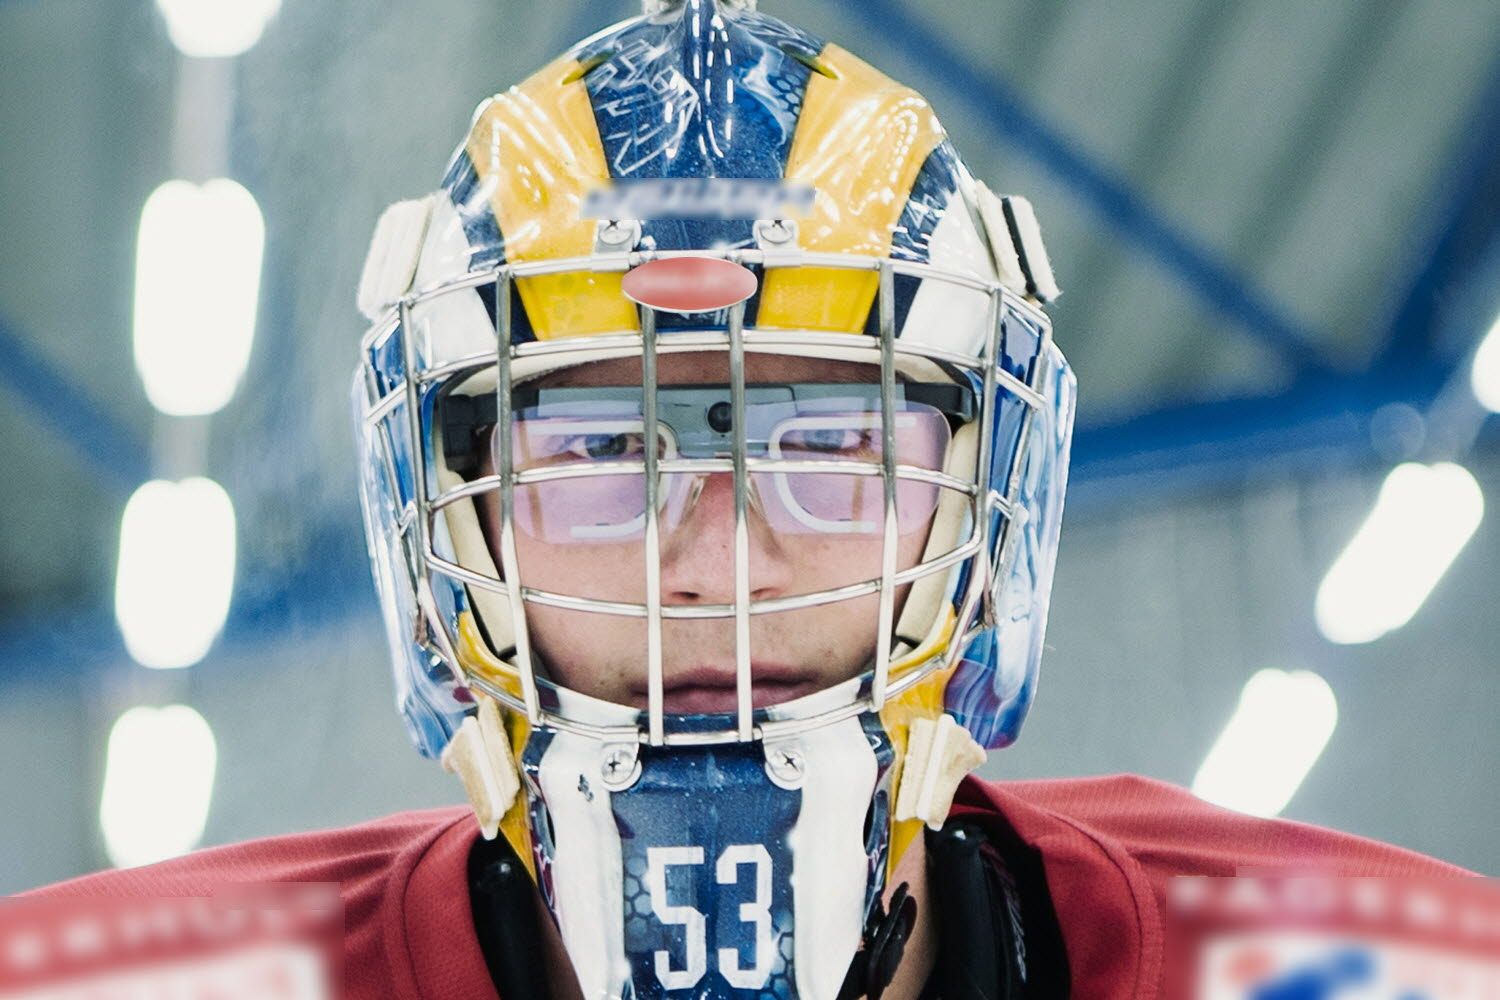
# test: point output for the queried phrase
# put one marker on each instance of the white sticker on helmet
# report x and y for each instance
(455, 325)
(945, 315)
(391, 263)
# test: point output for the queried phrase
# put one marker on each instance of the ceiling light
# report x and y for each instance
(197, 280)
(1485, 375)
(1424, 516)
(209, 28)
(1279, 729)
(176, 570)
(158, 783)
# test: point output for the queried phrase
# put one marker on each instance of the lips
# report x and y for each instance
(712, 690)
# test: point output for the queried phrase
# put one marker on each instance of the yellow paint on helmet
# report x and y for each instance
(923, 700)
(477, 660)
(514, 825)
(537, 146)
(860, 142)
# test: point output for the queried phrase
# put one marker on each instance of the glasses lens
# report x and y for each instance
(600, 492)
(852, 503)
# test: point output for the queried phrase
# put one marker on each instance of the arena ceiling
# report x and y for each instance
(1271, 221)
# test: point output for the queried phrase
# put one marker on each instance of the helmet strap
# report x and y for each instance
(886, 933)
(998, 933)
(503, 900)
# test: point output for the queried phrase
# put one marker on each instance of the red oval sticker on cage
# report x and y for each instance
(689, 284)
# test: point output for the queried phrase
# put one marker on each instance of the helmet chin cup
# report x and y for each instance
(665, 881)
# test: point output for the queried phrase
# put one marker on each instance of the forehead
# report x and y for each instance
(712, 367)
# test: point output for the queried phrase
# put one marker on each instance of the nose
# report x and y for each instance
(697, 554)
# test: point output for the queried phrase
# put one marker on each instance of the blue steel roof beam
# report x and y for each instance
(1466, 200)
(269, 601)
(1319, 423)
(1015, 124)
(68, 411)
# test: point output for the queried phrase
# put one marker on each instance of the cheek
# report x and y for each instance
(822, 562)
(596, 572)
(582, 650)
(592, 653)
(909, 551)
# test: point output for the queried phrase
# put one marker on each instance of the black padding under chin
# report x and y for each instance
(998, 935)
(502, 898)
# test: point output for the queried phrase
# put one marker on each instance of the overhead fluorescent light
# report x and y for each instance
(1484, 376)
(221, 28)
(1279, 729)
(1424, 516)
(158, 784)
(175, 572)
(197, 282)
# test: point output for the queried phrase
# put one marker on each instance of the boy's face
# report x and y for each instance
(794, 653)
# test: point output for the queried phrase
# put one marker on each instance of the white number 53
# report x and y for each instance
(691, 920)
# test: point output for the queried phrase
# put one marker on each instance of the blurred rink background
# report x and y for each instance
(1277, 225)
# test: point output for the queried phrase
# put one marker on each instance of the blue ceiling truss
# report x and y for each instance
(1466, 202)
(1323, 417)
(70, 414)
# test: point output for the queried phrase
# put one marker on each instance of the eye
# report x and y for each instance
(601, 446)
(830, 439)
(833, 440)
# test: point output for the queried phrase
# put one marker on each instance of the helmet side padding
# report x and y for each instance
(472, 552)
(923, 615)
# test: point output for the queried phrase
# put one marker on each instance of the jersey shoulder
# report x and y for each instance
(401, 882)
(1110, 847)
(355, 856)
(1169, 831)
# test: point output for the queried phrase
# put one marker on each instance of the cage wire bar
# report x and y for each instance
(885, 630)
(740, 446)
(505, 418)
(655, 679)
(984, 504)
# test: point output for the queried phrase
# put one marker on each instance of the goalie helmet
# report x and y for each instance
(707, 181)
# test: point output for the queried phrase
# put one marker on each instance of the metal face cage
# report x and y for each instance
(401, 377)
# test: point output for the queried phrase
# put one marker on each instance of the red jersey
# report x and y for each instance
(1108, 847)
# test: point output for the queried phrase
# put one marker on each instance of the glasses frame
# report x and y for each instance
(468, 423)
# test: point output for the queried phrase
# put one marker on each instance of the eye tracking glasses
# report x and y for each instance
(815, 451)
